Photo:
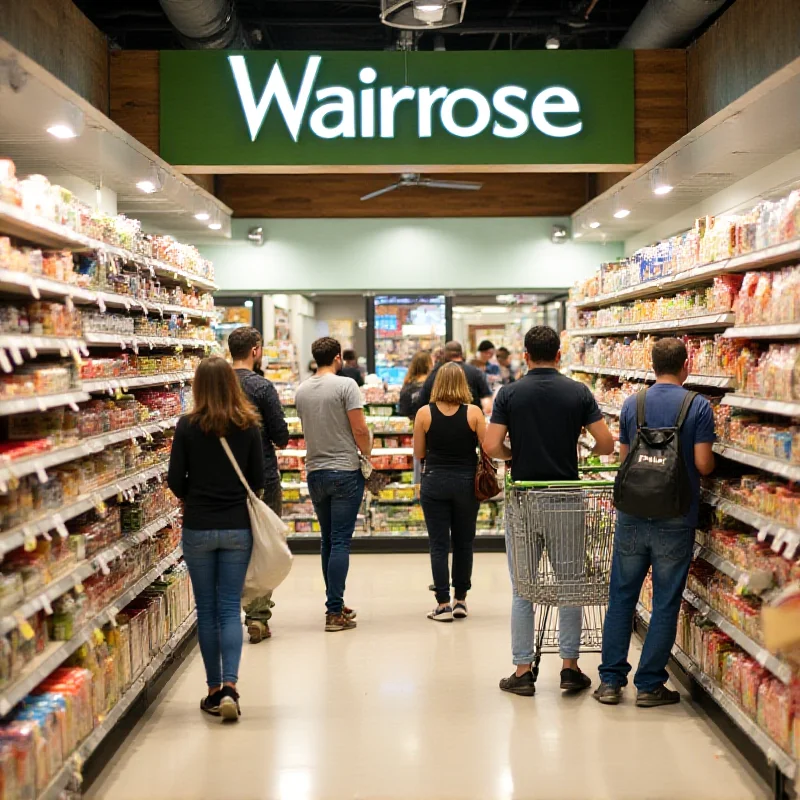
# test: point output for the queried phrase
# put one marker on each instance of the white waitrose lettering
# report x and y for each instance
(339, 102)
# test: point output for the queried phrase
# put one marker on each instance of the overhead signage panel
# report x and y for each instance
(392, 108)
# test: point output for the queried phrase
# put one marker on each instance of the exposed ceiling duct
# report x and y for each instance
(668, 23)
(206, 24)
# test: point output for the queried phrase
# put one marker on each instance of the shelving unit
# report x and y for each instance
(709, 381)
(704, 322)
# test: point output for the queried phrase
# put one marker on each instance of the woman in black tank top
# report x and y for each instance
(447, 434)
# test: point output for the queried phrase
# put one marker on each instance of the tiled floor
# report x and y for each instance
(406, 708)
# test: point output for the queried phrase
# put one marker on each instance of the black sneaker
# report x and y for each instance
(210, 703)
(229, 704)
(608, 695)
(573, 680)
(658, 697)
(523, 685)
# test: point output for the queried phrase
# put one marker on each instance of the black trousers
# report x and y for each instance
(451, 511)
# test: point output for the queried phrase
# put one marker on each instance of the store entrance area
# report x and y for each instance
(404, 708)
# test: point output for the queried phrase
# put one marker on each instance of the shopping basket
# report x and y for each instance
(561, 535)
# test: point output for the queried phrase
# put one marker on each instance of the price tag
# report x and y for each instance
(28, 540)
(122, 345)
(25, 628)
(60, 526)
(63, 350)
(152, 270)
(762, 534)
(762, 657)
(69, 304)
(3, 486)
(5, 364)
(84, 350)
(73, 405)
(16, 355)
(136, 347)
(46, 536)
(103, 565)
(5, 707)
(101, 304)
(113, 612)
(48, 609)
(99, 504)
(40, 473)
(76, 356)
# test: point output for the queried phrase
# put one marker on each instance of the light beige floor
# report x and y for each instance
(406, 708)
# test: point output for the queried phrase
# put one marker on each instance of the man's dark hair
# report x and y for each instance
(503, 351)
(349, 355)
(242, 341)
(453, 350)
(542, 344)
(485, 345)
(325, 351)
(669, 356)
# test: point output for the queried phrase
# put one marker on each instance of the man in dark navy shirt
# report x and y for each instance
(476, 380)
(544, 413)
(247, 350)
(664, 544)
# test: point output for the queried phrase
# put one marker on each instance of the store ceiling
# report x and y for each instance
(354, 24)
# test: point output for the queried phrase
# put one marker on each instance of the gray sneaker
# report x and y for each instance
(608, 695)
(658, 697)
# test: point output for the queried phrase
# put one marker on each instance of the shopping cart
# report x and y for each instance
(561, 535)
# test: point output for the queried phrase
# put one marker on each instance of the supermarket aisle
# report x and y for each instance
(406, 708)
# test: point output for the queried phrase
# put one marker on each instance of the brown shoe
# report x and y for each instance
(350, 613)
(339, 622)
(258, 631)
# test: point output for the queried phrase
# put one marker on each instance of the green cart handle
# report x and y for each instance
(512, 484)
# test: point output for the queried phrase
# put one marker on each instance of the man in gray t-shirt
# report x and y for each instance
(335, 429)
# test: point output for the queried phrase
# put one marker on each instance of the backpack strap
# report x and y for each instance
(640, 401)
(684, 412)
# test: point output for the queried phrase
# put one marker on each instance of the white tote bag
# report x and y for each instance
(271, 559)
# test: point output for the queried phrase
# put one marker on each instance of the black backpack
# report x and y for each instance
(654, 481)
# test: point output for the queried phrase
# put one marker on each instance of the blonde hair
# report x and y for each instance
(451, 386)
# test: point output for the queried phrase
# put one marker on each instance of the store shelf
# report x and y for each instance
(110, 385)
(790, 330)
(759, 259)
(780, 407)
(86, 447)
(17, 344)
(378, 451)
(773, 465)
(36, 286)
(775, 665)
(58, 652)
(16, 222)
(11, 619)
(756, 581)
(19, 405)
(696, 323)
(711, 381)
(613, 411)
(774, 753)
(785, 539)
(127, 340)
(54, 520)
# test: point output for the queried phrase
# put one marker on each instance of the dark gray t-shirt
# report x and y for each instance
(322, 404)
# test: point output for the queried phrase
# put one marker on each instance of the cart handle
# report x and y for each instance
(512, 484)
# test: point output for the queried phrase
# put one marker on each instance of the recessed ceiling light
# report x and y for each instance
(662, 188)
(61, 131)
(148, 187)
(215, 226)
(203, 216)
(594, 224)
(622, 213)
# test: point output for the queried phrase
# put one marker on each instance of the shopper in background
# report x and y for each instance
(350, 368)
(335, 429)
(486, 351)
(476, 380)
(664, 544)
(418, 371)
(446, 434)
(544, 413)
(247, 350)
(217, 538)
(507, 374)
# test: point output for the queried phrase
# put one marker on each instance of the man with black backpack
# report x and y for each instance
(666, 438)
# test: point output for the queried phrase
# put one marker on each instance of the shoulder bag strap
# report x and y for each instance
(685, 406)
(640, 401)
(235, 465)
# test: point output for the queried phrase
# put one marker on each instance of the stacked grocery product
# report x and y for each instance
(280, 362)
(730, 288)
(395, 510)
(99, 341)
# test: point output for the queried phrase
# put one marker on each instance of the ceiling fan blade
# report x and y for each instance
(464, 186)
(385, 190)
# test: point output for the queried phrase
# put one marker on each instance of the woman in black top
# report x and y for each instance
(447, 434)
(217, 540)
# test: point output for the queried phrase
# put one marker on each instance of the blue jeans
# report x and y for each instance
(666, 545)
(450, 507)
(336, 495)
(217, 562)
(523, 615)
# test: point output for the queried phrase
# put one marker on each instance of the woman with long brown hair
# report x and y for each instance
(217, 540)
(447, 434)
(408, 404)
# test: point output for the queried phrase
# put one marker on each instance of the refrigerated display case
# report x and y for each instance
(402, 325)
(232, 313)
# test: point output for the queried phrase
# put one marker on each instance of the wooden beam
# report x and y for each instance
(135, 94)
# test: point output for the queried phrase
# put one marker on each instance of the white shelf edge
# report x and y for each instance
(711, 381)
(780, 669)
(31, 678)
(789, 330)
(781, 407)
(756, 580)
(709, 321)
(378, 451)
(135, 341)
(783, 469)
(112, 384)
(21, 405)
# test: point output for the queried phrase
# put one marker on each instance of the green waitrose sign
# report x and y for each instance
(393, 108)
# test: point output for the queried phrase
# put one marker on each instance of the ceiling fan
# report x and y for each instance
(415, 179)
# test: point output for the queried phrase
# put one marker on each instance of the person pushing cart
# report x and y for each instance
(551, 535)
